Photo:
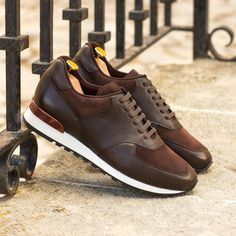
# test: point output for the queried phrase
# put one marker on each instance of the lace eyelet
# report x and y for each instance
(162, 111)
(140, 131)
(157, 104)
(149, 91)
(153, 98)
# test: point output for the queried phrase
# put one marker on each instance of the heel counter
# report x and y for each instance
(43, 116)
(42, 88)
(86, 59)
(52, 81)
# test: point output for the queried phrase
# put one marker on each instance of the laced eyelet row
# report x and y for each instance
(160, 102)
(135, 113)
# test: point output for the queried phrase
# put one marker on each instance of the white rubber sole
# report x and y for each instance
(75, 145)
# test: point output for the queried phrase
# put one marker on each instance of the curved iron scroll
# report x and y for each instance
(16, 164)
(211, 46)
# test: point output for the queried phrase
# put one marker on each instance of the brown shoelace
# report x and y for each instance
(160, 102)
(135, 113)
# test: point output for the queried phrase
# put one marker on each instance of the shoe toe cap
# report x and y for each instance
(204, 160)
(190, 178)
(173, 170)
(200, 160)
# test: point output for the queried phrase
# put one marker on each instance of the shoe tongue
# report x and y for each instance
(109, 88)
(132, 74)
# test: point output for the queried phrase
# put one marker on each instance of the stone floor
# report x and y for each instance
(69, 197)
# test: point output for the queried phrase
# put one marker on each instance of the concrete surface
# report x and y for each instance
(69, 197)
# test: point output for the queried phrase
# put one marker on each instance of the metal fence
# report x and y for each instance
(18, 147)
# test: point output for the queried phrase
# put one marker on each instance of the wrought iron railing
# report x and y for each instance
(18, 147)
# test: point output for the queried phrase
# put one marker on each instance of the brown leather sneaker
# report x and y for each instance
(105, 126)
(96, 69)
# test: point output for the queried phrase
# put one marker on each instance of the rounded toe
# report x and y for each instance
(187, 181)
(200, 159)
(191, 178)
(204, 160)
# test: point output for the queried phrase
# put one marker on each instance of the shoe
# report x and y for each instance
(96, 69)
(105, 126)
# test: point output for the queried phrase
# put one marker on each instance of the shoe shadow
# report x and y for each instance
(4, 198)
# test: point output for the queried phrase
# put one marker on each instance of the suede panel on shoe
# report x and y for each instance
(158, 159)
(87, 105)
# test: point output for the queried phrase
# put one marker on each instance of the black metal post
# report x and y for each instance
(138, 15)
(13, 69)
(153, 17)
(13, 91)
(99, 19)
(75, 30)
(138, 24)
(99, 34)
(168, 11)
(46, 30)
(75, 14)
(120, 28)
(46, 37)
(200, 31)
(13, 43)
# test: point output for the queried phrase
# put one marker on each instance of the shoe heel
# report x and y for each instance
(35, 110)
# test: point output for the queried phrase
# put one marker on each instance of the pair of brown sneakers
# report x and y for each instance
(117, 121)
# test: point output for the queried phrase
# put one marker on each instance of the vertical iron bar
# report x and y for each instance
(99, 34)
(120, 28)
(200, 34)
(13, 70)
(12, 16)
(75, 30)
(153, 17)
(99, 11)
(168, 14)
(46, 30)
(138, 41)
(168, 11)
(99, 18)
